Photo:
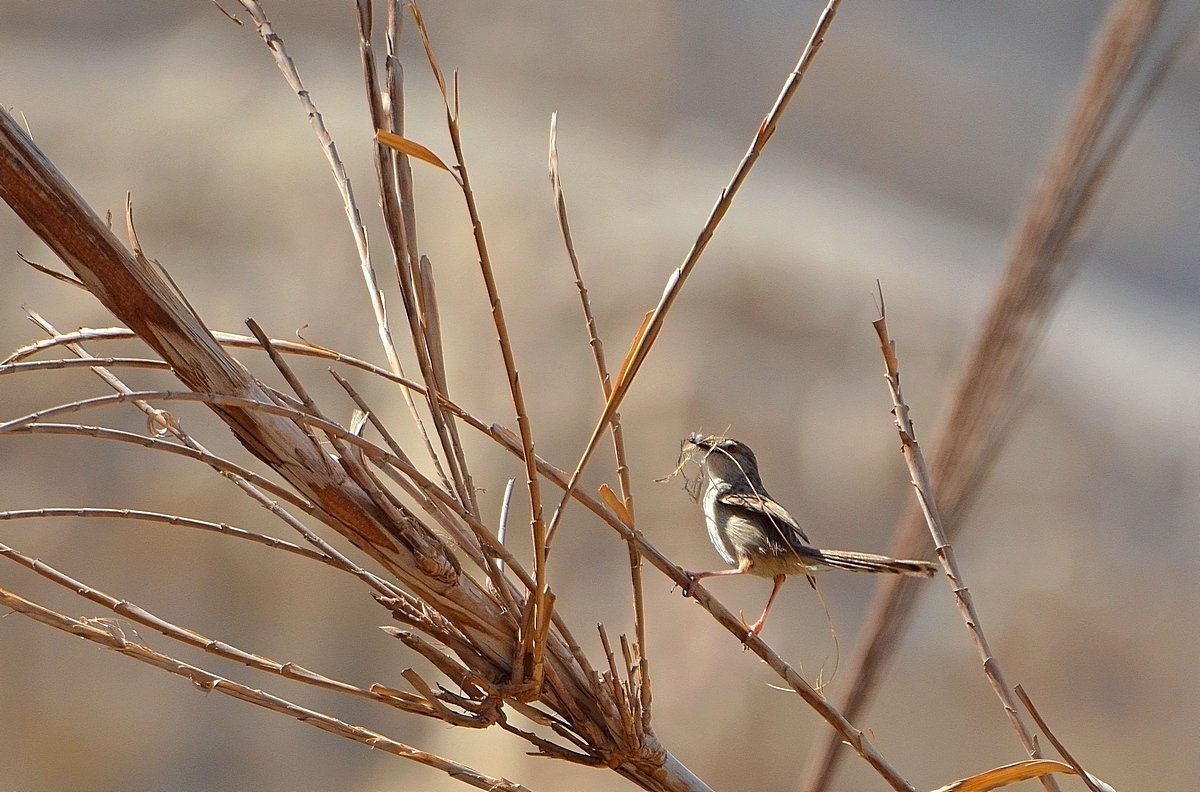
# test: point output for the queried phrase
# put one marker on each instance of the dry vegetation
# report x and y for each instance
(496, 648)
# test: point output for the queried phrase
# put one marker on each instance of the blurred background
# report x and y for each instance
(906, 157)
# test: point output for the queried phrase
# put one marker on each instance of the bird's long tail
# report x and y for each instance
(869, 562)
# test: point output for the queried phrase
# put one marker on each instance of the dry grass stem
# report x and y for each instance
(1040, 264)
(107, 634)
(173, 520)
(923, 486)
(531, 650)
(1090, 780)
(394, 181)
(646, 335)
(70, 363)
(625, 510)
(123, 608)
(287, 68)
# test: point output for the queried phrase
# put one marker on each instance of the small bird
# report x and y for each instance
(757, 535)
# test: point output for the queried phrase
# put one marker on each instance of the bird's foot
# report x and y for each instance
(690, 586)
(752, 630)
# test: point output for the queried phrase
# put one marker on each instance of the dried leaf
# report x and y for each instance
(618, 384)
(1007, 775)
(409, 147)
(615, 503)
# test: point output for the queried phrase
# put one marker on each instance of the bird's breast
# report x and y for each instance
(716, 517)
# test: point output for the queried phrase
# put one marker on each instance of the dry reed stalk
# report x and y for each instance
(624, 505)
(530, 652)
(1038, 269)
(173, 520)
(1091, 781)
(413, 275)
(924, 489)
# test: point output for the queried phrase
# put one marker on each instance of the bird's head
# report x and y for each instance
(726, 459)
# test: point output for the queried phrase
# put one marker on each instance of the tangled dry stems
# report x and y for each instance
(484, 618)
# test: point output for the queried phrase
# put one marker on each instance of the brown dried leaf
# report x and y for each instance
(619, 382)
(614, 503)
(409, 147)
(1007, 775)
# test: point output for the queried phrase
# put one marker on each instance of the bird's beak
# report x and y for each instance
(700, 441)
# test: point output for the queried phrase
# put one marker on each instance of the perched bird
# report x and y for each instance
(757, 535)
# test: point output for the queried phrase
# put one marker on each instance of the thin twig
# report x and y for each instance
(168, 519)
(358, 230)
(400, 223)
(110, 636)
(133, 612)
(1088, 778)
(635, 559)
(649, 331)
(541, 595)
(58, 364)
(56, 275)
(970, 435)
(923, 487)
(502, 522)
(37, 426)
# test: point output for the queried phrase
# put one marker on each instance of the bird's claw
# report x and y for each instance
(690, 586)
(752, 630)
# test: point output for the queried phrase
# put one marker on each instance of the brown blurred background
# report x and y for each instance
(906, 157)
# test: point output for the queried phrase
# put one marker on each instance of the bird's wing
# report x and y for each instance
(789, 531)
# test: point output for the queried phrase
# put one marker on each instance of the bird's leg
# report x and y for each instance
(757, 627)
(693, 577)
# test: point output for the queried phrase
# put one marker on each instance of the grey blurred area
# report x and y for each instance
(906, 157)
